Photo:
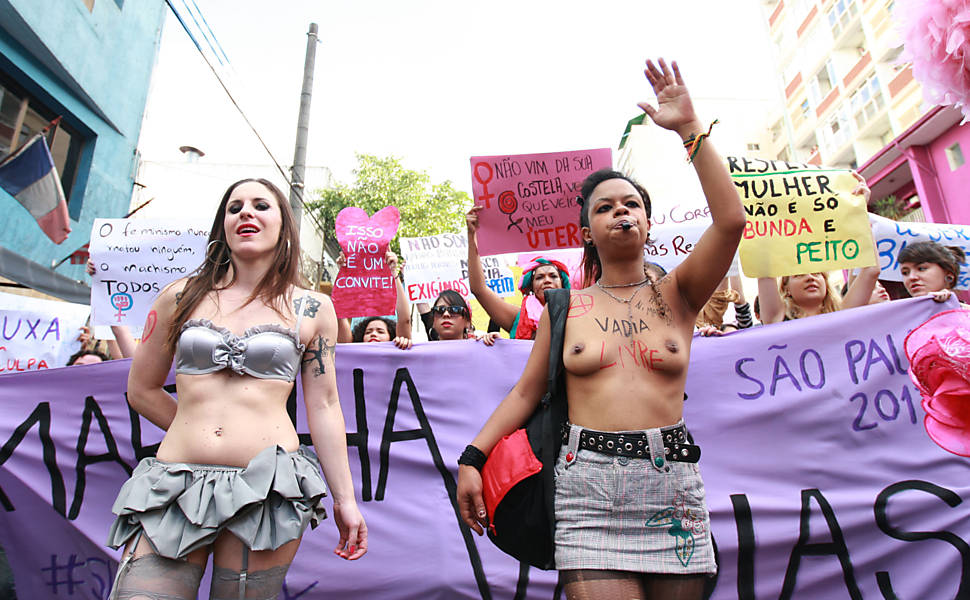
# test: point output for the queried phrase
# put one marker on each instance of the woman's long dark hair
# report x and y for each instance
(274, 289)
(591, 258)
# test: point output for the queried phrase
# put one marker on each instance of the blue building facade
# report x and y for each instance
(89, 62)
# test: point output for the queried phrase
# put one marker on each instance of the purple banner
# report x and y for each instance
(821, 480)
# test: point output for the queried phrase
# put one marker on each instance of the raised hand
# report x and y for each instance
(674, 111)
(471, 218)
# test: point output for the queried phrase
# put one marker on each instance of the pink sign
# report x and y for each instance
(530, 199)
(364, 287)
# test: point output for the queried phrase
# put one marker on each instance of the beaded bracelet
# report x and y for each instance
(473, 457)
(693, 142)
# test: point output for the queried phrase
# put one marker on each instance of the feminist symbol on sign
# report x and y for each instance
(508, 205)
(122, 302)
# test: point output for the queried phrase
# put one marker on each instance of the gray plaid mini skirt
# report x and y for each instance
(630, 514)
(182, 507)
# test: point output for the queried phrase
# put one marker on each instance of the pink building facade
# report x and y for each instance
(927, 164)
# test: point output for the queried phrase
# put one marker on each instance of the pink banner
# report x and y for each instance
(530, 199)
(364, 287)
(820, 478)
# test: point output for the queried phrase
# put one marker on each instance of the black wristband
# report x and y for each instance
(473, 457)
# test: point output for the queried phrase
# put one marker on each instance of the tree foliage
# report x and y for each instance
(426, 208)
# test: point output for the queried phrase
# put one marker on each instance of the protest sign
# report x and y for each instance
(825, 401)
(892, 236)
(134, 259)
(800, 218)
(432, 264)
(38, 334)
(364, 287)
(530, 199)
(673, 242)
(435, 263)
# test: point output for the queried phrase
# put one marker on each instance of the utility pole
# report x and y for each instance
(297, 172)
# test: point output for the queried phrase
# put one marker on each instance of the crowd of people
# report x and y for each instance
(242, 329)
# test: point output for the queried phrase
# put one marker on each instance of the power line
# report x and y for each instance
(286, 177)
(211, 33)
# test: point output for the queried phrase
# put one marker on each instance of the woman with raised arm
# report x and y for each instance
(541, 275)
(230, 477)
(631, 519)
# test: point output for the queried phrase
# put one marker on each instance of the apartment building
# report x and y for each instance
(846, 96)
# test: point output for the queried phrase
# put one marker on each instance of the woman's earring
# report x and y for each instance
(209, 254)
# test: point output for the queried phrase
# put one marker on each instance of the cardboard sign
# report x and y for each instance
(530, 199)
(892, 236)
(134, 259)
(364, 287)
(38, 334)
(801, 218)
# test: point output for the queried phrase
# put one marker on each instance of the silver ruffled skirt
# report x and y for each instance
(182, 507)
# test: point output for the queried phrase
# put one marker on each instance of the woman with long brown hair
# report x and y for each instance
(631, 520)
(230, 477)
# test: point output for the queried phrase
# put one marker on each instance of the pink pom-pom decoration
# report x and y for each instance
(936, 37)
(939, 359)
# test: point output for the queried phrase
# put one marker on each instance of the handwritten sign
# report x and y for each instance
(892, 236)
(673, 242)
(436, 263)
(364, 287)
(134, 259)
(801, 218)
(38, 334)
(530, 199)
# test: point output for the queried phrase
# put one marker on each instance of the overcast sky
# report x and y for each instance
(436, 82)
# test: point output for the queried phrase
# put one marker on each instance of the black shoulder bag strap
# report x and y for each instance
(555, 408)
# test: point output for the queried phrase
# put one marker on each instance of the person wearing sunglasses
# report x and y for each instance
(450, 318)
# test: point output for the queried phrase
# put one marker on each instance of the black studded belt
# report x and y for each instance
(635, 444)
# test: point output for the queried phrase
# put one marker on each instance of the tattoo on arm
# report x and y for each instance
(318, 353)
(150, 322)
(312, 305)
(178, 297)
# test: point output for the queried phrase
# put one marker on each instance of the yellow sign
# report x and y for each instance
(801, 218)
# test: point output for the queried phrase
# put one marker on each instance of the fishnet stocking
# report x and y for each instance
(590, 584)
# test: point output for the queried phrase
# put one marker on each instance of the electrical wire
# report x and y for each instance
(288, 178)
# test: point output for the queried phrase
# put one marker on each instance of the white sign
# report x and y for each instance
(674, 241)
(892, 236)
(436, 263)
(133, 260)
(38, 334)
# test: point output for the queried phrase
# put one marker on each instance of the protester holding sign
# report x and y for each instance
(808, 294)
(930, 268)
(379, 328)
(543, 274)
(626, 349)
(230, 475)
